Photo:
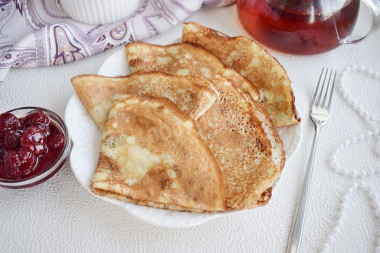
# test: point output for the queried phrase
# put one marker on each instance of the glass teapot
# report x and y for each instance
(306, 26)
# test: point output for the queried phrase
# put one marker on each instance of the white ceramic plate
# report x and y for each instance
(87, 140)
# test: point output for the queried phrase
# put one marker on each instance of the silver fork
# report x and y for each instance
(319, 114)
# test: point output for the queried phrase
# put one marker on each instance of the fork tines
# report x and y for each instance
(323, 93)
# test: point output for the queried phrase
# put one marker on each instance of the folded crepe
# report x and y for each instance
(152, 155)
(252, 62)
(98, 93)
(239, 132)
(246, 145)
(183, 59)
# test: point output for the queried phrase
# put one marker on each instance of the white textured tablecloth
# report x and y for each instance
(60, 216)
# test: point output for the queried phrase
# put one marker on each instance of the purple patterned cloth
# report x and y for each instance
(36, 33)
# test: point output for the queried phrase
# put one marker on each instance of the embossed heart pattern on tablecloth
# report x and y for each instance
(366, 105)
(361, 99)
(342, 213)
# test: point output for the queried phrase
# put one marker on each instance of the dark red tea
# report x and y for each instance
(298, 26)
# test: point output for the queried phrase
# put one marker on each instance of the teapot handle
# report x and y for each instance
(374, 8)
(374, 5)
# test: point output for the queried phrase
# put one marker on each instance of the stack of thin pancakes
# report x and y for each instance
(186, 132)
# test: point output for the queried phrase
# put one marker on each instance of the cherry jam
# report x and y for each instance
(28, 145)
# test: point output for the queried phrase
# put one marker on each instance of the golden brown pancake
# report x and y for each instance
(246, 145)
(98, 93)
(183, 59)
(254, 63)
(247, 172)
(152, 155)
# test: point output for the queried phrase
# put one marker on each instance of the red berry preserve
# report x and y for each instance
(28, 145)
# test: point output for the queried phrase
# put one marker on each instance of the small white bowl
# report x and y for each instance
(99, 11)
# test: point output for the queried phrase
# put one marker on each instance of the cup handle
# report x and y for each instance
(374, 7)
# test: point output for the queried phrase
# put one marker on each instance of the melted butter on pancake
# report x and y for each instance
(163, 60)
(134, 160)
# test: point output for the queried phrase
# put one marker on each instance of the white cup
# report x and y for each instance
(99, 11)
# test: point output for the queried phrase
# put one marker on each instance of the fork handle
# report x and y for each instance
(296, 232)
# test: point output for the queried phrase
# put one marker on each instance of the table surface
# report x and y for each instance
(61, 216)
